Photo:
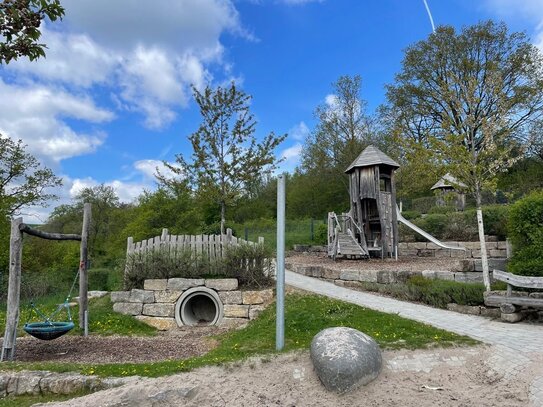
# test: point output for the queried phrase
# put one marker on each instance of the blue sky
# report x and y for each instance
(112, 99)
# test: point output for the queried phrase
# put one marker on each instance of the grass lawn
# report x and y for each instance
(305, 316)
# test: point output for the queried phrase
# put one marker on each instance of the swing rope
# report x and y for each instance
(65, 305)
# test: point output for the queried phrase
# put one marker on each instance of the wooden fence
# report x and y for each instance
(208, 246)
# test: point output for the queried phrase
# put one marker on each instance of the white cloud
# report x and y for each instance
(299, 132)
(291, 157)
(35, 113)
(149, 168)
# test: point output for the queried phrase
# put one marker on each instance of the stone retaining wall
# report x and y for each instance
(32, 383)
(342, 277)
(497, 250)
(155, 304)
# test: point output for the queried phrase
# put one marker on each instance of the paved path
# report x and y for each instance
(518, 346)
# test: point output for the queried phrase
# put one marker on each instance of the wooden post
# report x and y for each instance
(83, 277)
(14, 290)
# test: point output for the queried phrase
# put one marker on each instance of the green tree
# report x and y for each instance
(470, 97)
(20, 22)
(227, 159)
(23, 181)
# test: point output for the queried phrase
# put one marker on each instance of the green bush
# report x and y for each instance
(526, 233)
(439, 293)
(251, 265)
(423, 204)
(433, 224)
(321, 234)
(442, 209)
(409, 215)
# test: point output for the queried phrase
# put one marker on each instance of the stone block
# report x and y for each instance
(144, 296)
(255, 311)
(444, 275)
(492, 264)
(345, 358)
(491, 238)
(159, 310)
(182, 284)
(252, 297)
(236, 311)
(155, 284)
(403, 245)
(222, 284)
(490, 312)
(464, 309)
(442, 253)
(468, 277)
(369, 276)
(350, 275)
(502, 244)
(461, 254)
(120, 296)
(491, 245)
(316, 271)
(403, 275)
(471, 245)
(128, 308)
(497, 253)
(231, 297)
(464, 265)
(167, 296)
(426, 253)
(430, 274)
(330, 274)
(385, 277)
(408, 252)
(28, 384)
(417, 245)
(160, 323)
(514, 317)
(476, 253)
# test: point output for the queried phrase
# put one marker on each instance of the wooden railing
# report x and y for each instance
(208, 246)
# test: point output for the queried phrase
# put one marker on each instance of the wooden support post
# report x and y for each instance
(83, 257)
(14, 290)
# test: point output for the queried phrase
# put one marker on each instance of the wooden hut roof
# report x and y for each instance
(372, 156)
(448, 181)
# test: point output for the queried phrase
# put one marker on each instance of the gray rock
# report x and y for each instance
(222, 284)
(144, 296)
(128, 308)
(230, 297)
(167, 296)
(120, 296)
(155, 284)
(350, 275)
(345, 358)
(159, 310)
(182, 284)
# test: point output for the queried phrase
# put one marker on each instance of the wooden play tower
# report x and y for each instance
(371, 225)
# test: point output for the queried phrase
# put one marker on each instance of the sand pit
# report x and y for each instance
(422, 378)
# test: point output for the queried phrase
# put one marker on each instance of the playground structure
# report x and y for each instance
(48, 329)
(371, 225)
(449, 191)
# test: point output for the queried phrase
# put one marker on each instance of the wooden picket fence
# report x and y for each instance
(207, 246)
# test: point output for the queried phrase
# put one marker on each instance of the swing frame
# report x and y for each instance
(14, 283)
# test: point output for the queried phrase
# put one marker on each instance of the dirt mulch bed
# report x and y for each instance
(402, 264)
(180, 344)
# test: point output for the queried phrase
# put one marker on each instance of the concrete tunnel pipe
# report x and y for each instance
(199, 306)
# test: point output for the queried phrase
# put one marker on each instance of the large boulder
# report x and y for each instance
(345, 358)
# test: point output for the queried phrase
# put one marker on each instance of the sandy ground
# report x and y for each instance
(458, 377)
(403, 263)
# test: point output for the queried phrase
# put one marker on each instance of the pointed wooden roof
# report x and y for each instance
(372, 156)
(448, 181)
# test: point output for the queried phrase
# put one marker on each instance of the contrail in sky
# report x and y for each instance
(430, 15)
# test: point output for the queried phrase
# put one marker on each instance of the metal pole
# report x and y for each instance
(280, 265)
(86, 322)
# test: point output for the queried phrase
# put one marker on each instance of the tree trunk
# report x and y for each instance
(481, 228)
(223, 220)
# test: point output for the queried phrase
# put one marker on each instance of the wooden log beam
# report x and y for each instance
(518, 281)
(83, 277)
(14, 290)
(498, 300)
(23, 227)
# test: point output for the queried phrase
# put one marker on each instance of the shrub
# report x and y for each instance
(442, 209)
(526, 233)
(423, 204)
(251, 265)
(439, 293)
(433, 224)
(411, 214)
(321, 234)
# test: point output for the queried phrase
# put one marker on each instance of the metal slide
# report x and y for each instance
(424, 234)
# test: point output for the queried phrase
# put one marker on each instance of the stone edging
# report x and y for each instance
(44, 382)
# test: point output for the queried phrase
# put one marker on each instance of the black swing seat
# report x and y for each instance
(48, 330)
